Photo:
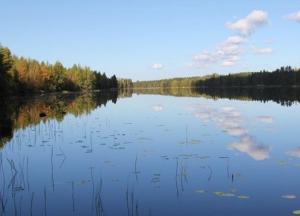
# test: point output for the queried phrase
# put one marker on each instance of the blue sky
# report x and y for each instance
(155, 39)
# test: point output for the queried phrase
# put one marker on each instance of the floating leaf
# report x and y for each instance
(243, 197)
(219, 193)
(296, 212)
(222, 194)
(194, 141)
(282, 162)
(204, 157)
(228, 195)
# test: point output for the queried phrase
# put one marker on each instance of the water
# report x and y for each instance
(149, 154)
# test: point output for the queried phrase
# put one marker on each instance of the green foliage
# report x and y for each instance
(169, 83)
(285, 76)
(5, 60)
(18, 74)
(125, 84)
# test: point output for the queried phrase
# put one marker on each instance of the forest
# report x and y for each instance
(23, 75)
(282, 77)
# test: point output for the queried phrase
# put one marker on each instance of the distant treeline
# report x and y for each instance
(169, 83)
(125, 84)
(21, 75)
(283, 77)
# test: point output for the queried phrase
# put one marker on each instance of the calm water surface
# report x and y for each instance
(149, 155)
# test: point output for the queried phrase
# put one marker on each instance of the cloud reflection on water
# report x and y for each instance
(230, 121)
(248, 145)
(294, 152)
(157, 108)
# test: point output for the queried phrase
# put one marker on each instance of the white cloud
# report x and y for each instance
(269, 41)
(248, 24)
(294, 16)
(227, 52)
(230, 50)
(231, 61)
(235, 40)
(266, 50)
(228, 63)
(157, 66)
(204, 57)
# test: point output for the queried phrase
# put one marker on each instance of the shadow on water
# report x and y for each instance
(283, 96)
(17, 113)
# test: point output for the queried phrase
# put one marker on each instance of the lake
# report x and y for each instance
(151, 152)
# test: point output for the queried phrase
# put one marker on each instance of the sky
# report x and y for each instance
(155, 39)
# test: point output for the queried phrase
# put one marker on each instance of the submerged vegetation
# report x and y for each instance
(58, 156)
(21, 75)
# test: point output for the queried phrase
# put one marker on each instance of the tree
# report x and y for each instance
(114, 82)
(18, 74)
(6, 60)
(6, 63)
(56, 77)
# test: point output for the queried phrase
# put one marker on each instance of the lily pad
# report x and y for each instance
(243, 197)
(203, 157)
(282, 162)
(218, 193)
(228, 195)
(223, 194)
(296, 212)
(194, 141)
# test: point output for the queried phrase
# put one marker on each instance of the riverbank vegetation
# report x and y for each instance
(282, 77)
(23, 75)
